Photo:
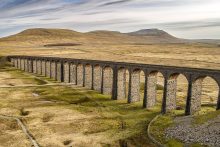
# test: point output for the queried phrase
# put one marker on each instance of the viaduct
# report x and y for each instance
(110, 78)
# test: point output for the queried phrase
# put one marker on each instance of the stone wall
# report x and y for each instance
(43, 68)
(66, 71)
(134, 92)
(121, 84)
(53, 70)
(88, 76)
(196, 96)
(97, 78)
(22, 64)
(35, 66)
(30, 66)
(72, 73)
(39, 68)
(171, 94)
(48, 69)
(59, 72)
(107, 80)
(151, 89)
(26, 65)
(80, 75)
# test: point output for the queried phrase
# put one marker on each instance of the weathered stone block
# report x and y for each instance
(53, 70)
(48, 69)
(66, 71)
(43, 68)
(88, 76)
(39, 68)
(134, 92)
(80, 74)
(108, 80)
(97, 78)
(196, 96)
(121, 84)
(59, 72)
(72, 73)
(171, 94)
(151, 90)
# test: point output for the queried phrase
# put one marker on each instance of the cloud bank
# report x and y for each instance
(182, 18)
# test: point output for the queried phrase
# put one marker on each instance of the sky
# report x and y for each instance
(190, 19)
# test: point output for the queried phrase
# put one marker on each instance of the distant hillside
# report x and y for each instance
(151, 32)
(41, 36)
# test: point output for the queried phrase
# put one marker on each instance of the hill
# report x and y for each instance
(41, 36)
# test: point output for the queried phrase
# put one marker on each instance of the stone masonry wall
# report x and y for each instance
(30, 64)
(59, 72)
(66, 71)
(196, 96)
(108, 80)
(171, 94)
(39, 68)
(135, 87)
(88, 76)
(97, 78)
(19, 63)
(151, 90)
(48, 68)
(121, 89)
(72, 73)
(80, 75)
(35, 66)
(26, 65)
(43, 68)
(22, 64)
(53, 70)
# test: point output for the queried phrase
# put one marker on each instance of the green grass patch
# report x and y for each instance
(158, 128)
(118, 119)
(174, 143)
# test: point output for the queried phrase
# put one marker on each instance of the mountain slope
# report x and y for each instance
(42, 36)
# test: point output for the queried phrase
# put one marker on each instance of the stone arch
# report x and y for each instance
(97, 77)
(88, 76)
(154, 86)
(80, 73)
(107, 79)
(172, 99)
(202, 95)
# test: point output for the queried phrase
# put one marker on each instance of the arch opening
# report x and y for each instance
(107, 79)
(205, 95)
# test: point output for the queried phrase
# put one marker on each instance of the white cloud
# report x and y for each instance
(119, 15)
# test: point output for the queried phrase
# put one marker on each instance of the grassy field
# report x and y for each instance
(69, 115)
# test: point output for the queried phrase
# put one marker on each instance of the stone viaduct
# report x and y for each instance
(110, 78)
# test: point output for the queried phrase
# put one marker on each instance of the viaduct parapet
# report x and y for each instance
(110, 78)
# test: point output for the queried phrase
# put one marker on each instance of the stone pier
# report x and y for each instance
(73, 73)
(134, 86)
(88, 76)
(66, 70)
(195, 105)
(97, 78)
(80, 74)
(107, 80)
(121, 84)
(53, 70)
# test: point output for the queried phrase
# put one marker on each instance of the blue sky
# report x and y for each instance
(182, 18)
